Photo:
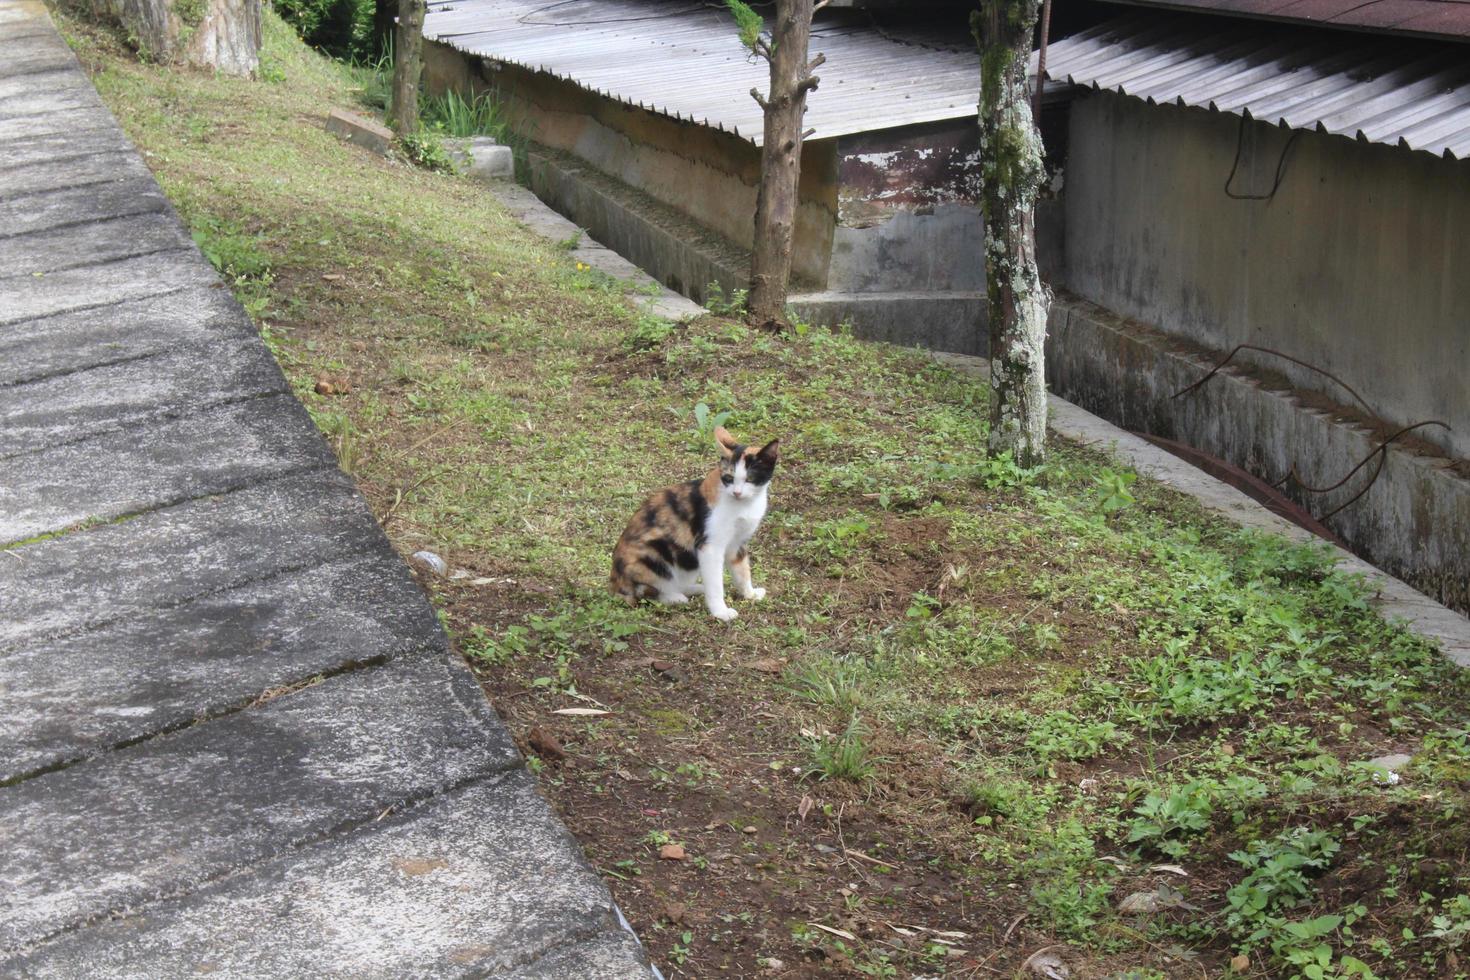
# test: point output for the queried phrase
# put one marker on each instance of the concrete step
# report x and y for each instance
(61, 152)
(21, 100)
(32, 297)
(170, 814)
(153, 466)
(100, 242)
(54, 411)
(76, 697)
(33, 50)
(117, 332)
(108, 166)
(44, 123)
(65, 585)
(478, 882)
(80, 205)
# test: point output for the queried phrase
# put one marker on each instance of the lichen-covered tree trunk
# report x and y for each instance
(1012, 173)
(775, 209)
(408, 51)
(219, 34)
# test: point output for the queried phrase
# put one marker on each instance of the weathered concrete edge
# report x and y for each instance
(550, 224)
(1396, 600)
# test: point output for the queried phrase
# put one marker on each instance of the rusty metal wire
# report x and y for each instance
(1285, 357)
(1380, 450)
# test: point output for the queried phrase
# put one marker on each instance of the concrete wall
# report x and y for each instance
(711, 176)
(908, 211)
(1359, 265)
(1413, 523)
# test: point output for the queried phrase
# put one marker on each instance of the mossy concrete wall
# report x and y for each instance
(708, 175)
(1360, 263)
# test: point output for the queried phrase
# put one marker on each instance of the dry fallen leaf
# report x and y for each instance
(804, 807)
(333, 276)
(1172, 869)
(581, 712)
(836, 932)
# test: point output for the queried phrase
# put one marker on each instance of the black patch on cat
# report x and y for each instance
(664, 549)
(656, 567)
(686, 560)
(759, 470)
(673, 502)
(698, 514)
(619, 566)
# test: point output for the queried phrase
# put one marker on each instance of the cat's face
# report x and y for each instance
(744, 470)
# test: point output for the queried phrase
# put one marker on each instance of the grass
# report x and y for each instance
(984, 711)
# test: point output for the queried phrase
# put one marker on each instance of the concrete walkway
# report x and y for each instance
(232, 737)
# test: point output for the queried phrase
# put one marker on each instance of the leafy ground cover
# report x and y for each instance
(986, 718)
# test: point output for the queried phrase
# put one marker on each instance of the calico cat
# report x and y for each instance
(692, 530)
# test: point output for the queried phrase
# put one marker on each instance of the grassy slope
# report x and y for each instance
(1021, 698)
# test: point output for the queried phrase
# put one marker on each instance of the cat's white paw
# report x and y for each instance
(757, 594)
(672, 598)
(724, 615)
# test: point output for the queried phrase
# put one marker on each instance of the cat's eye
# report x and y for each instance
(727, 479)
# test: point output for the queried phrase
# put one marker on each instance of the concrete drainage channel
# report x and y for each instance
(1395, 599)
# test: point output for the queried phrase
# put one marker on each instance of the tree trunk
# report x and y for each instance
(219, 34)
(775, 208)
(407, 67)
(1012, 173)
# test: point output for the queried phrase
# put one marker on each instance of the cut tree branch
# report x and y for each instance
(759, 99)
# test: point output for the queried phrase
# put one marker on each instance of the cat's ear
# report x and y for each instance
(727, 442)
(770, 451)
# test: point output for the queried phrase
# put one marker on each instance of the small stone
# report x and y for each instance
(675, 912)
(1396, 761)
(431, 562)
(751, 829)
(1227, 749)
(774, 965)
(325, 387)
(671, 852)
(1139, 903)
(1240, 963)
(545, 744)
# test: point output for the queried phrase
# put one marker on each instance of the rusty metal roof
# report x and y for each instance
(1426, 18)
(683, 59)
(1397, 91)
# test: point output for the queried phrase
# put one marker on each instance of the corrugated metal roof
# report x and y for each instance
(1406, 93)
(683, 59)
(1425, 18)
